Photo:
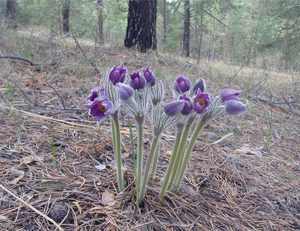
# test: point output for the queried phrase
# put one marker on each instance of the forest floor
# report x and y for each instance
(55, 159)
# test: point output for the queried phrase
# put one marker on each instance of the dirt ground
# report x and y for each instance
(55, 159)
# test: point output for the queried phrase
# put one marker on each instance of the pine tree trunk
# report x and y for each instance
(141, 25)
(66, 16)
(11, 13)
(100, 21)
(186, 29)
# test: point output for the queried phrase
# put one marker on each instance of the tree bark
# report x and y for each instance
(11, 13)
(66, 16)
(141, 25)
(186, 28)
(100, 21)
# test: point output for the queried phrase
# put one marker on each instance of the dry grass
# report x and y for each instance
(49, 149)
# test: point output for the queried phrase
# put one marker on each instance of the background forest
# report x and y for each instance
(263, 33)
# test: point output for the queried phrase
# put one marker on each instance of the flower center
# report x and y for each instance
(202, 101)
(101, 107)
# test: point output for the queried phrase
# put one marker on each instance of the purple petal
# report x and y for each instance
(200, 84)
(174, 107)
(149, 76)
(100, 109)
(125, 91)
(201, 101)
(229, 94)
(182, 84)
(137, 81)
(234, 107)
(188, 106)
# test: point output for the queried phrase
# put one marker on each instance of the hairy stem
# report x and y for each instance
(188, 152)
(139, 158)
(166, 182)
(149, 166)
(117, 150)
(180, 156)
(157, 152)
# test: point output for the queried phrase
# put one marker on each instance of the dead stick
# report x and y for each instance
(18, 58)
(32, 208)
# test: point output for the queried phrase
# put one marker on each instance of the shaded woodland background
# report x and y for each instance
(263, 33)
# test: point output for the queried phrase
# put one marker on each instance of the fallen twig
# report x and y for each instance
(19, 59)
(31, 207)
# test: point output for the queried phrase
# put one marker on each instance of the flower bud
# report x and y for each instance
(149, 76)
(125, 91)
(187, 106)
(174, 107)
(229, 94)
(182, 84)
(137, 81)
(117, 74)
(200, 84)
(234, 107)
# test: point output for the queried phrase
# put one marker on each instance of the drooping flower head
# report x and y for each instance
(229, 94)
(187, 105)
(200, 84)
(201, 101)
(100, 108)
(234, 107)
(125, 91)
(137, 81)
(182, 84)
(149, 76)
(174, 107)
(117, 74)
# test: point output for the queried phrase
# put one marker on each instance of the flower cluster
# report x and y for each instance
(142, 95)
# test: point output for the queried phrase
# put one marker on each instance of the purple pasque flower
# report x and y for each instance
(117, 74)
(149, 76)
(229, 94)
(187, 106)
(125, 91)
(201, 101)
(100, 108)
(200, 84)
(174, 107)
(234, 107)
(182, 84)
(137, 81)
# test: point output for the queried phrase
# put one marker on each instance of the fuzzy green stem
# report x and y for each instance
(188, 152)
(139, 158)
(180, 156)
(149, 166)
(157, 151)
(117, 150)
(166, 181)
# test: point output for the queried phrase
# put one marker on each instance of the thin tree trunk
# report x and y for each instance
(66, 16)
(200, 38)
(141, 25)
(100, 21)
(186, 29)
(164, 21)
(11, 13)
